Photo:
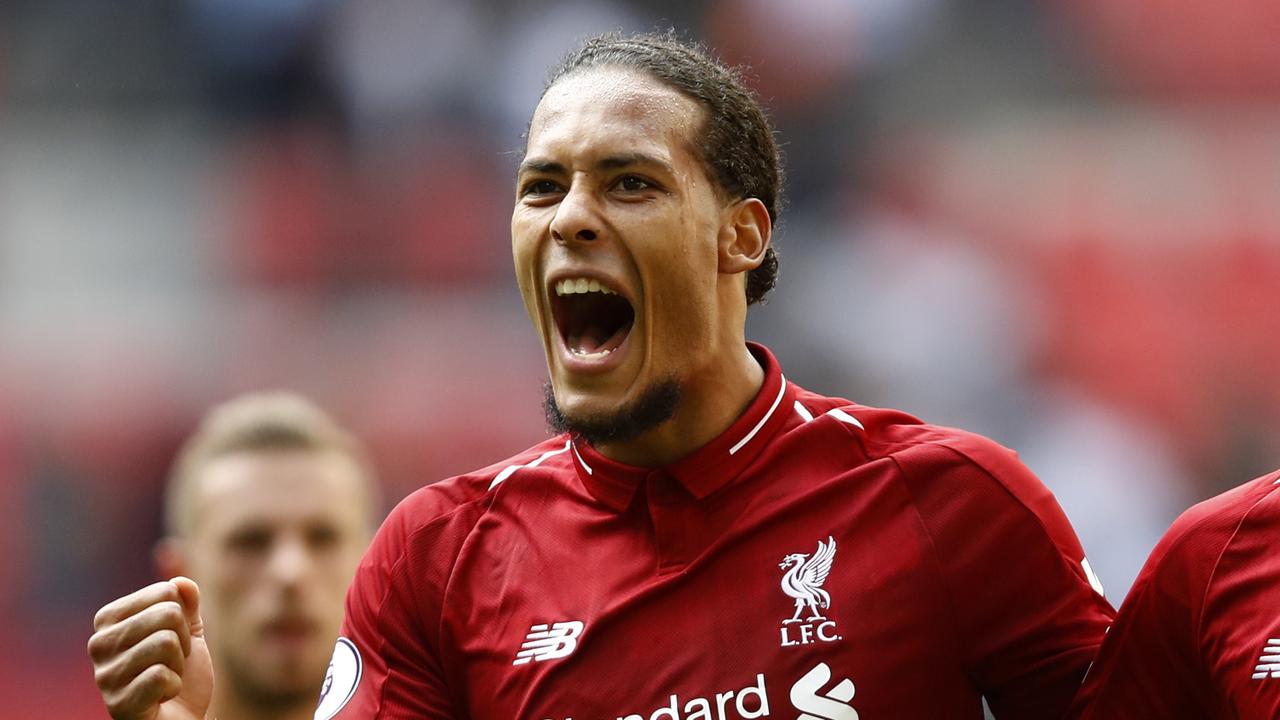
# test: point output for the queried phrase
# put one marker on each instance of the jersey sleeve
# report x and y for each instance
(392, 610)
(1150, 657)
(1028, 619)
(1190, 636)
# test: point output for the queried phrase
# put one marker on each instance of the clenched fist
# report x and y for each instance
(149, 656)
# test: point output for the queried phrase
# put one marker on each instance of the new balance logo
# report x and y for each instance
(548, 643)
(830, 705)
(1269, 663)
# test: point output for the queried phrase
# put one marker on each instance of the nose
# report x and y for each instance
(576, 217)
(290, 561)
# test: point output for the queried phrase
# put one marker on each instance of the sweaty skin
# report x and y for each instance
(611, 189)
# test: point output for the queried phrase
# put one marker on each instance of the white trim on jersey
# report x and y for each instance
(1094, 581)
(510, 469)
(803, 412)
(578, 455)
(763, 420)
(845, 417)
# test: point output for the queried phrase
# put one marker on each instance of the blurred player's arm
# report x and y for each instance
(1188, 641)
(150, 660)
(1150, 657)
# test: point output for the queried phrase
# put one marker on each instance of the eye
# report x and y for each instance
(537, 188)
(322, 537)
(249, 541)
(633, 183)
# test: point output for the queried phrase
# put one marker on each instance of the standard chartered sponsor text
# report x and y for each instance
(751, 701)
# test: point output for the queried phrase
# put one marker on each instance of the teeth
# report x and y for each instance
(579, 286)
(585, 354)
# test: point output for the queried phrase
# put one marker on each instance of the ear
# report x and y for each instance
(744, 236)
(169, 558)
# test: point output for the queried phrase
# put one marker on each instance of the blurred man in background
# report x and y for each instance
(269, 507)
(1199, 634)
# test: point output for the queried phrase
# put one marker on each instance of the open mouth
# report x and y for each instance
(593, 319)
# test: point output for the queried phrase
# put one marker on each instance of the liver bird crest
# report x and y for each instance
(803, 581)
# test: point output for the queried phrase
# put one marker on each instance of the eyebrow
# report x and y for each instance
(544, 167)
(612, 162)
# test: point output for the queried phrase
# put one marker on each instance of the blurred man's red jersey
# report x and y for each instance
(1199, 634)
(819, 558)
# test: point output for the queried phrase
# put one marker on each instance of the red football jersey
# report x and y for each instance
(1199, 634)
(819, 559)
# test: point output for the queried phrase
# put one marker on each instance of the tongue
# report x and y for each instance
(593, 339)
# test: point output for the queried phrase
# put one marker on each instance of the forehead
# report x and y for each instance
(278, 486)
(613, 110)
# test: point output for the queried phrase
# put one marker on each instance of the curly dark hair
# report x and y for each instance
(736, 146)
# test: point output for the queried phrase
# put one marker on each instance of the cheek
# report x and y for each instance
(682, 301)
(527, 226)
(686, 306)
(222, 603)
(524, 248)
(231, 584)
(337, 577)
(220, 569)
(336, 566)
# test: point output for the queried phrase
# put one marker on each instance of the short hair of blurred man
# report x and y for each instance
(269, 507)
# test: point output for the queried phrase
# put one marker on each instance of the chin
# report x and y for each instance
(279, 682)
(591, 394)
(599, 418)
(299, 674)
(579, 404)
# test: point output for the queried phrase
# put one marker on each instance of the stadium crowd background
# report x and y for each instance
(1056, 223)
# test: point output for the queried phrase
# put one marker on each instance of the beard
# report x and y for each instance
(656, 405)
(270, 688)
(271, 696)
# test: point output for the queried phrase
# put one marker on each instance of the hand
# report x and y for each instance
(149, 656)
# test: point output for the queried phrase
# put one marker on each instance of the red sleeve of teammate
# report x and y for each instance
(1192, 631)
(1151, 658)
(390, 670)
(1028, 620)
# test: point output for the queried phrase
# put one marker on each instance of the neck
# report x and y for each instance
(710, 403)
